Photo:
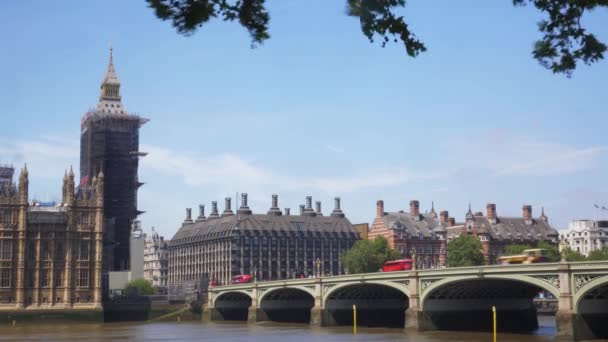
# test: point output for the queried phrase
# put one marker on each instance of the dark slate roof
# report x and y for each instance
(426, 224)
(224, 227)
(507, 228)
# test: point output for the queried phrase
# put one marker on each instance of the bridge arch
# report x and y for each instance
(520, 278)
(403, 288)
(291, 304)
(270, 290)
(232, 305)
(465, 302)
(591, 306)
(588, 287)
(229, 293)
(378, 303)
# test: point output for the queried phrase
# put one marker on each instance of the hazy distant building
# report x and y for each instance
(6, 176)
(156, 259)
(51, 256)
(274, 245)
(585, 236)
(413, 233)
(109, 142)
(495, 232)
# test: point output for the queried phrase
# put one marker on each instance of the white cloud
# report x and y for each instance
(47, 157)
(335, 149)
(502, 153)
(232, 172)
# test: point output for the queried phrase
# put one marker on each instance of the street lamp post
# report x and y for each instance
(318, 268)
(255, 272)
(413, 259)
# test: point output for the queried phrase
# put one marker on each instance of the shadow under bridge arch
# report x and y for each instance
(231, 306)
(466, 304)
(591, 303)
(286, 305)
(378, 305)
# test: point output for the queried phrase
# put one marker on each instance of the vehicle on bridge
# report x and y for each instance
(528, 256)
(242, 279)
(397, 265)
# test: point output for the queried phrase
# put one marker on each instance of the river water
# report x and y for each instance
(266, 332)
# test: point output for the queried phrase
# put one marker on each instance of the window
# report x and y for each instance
(84, 250)
(59, 250)
(45, 278)
(46, 250)
(6, 252)
(58, 278)
(5, 278)
(83, 278)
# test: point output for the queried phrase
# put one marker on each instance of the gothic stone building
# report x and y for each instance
(495, 232)
(413, 233)
(50, 257)
(275, 245)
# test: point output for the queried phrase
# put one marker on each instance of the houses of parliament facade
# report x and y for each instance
(51, 255)
(54, 257)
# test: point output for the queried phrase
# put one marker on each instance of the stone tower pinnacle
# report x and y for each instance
(109, 99)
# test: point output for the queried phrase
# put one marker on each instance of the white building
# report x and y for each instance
(584, 236)
(119, 279)
(156, 262)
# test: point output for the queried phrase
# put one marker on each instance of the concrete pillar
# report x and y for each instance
(252, 314)
(316, 313)
(565, 316)
(207, 315)
(414, 317)
(316, 316)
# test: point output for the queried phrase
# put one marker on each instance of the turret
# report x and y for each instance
(23, 185)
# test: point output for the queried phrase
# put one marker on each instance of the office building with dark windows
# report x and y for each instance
(270, 246)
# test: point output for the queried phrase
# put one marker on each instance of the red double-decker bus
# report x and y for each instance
(397, 265)
(241, 279)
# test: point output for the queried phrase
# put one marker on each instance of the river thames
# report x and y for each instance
(267, 332)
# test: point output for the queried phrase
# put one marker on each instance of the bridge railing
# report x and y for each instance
(499, 268)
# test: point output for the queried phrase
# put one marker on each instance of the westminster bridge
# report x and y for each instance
(431, 299)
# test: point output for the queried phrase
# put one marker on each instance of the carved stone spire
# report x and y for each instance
(109, 99)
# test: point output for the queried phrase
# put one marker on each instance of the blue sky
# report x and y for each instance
(317, 110)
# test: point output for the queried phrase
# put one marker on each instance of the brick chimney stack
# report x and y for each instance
(444, 216)
(214, 214)
(415, 210)
(227, 207)
(287, 211)
(188, 219)
(451, 222)
(308, 211)
(491, 212)
(274, 208)
(244, 209)
(379, 208)
(337, 211)
(527, 212)
(201, 213)
(301, 209)
(318, 208)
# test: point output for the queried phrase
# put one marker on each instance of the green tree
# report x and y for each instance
(514, 248)
(464, 250)
(573, 255)
(565, 41)
(552, 251)
(142, 286)
(598, 254)
(368, 255)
